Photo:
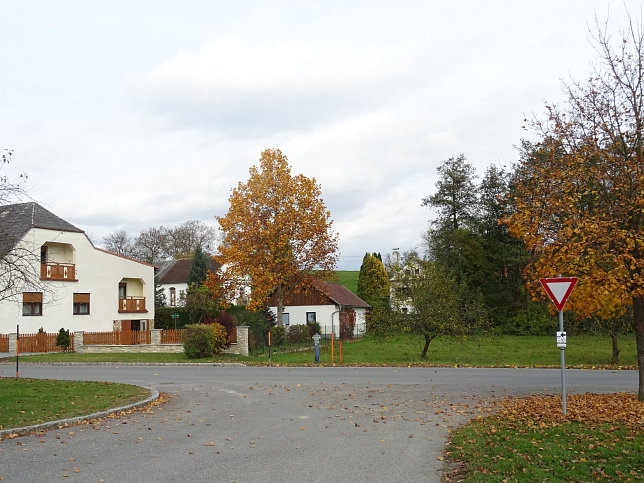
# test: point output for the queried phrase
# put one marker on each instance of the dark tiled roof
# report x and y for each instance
(343, 296)
(176, 271)
(17, 219)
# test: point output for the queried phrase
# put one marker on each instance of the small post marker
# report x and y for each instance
(559, 289)
(316, 341)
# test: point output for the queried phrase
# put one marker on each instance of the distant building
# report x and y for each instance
(172, 278)
(326, 303)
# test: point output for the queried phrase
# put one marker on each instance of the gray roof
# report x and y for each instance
(17, 219)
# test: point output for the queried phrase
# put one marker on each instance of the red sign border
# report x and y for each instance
(559, 305)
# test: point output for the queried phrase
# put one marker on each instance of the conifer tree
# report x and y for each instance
(373, 281)
(199, 268)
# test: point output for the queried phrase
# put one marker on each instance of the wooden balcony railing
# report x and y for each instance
(132, 304)
(58, 271)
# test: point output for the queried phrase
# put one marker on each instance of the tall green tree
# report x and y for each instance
(373, 281)
(455, 198)
(199, 268)
(503, 287)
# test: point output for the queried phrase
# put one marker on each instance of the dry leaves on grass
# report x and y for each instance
(617, 408)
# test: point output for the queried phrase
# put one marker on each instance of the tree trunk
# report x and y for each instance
(428, 339)
(613, 339)
(280, 305)
(638, 321)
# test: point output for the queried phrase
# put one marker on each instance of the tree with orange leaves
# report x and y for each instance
(579, 194)
(277, 232)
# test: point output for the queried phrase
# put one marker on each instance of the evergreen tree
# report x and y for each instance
(373, 281)
(199, 268)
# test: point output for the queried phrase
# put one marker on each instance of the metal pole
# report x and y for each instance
(563, 367)
(17, 347)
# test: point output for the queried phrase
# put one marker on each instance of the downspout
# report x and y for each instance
(332, 314)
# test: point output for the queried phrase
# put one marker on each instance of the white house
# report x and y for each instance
(75, 285)
(172, 278)
(328, 304)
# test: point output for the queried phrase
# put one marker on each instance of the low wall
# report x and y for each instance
(155, 345)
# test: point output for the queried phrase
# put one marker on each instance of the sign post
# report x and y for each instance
(558, 289)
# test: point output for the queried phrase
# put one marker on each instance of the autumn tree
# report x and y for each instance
(578, 204)
(373, 281)
(277, 231)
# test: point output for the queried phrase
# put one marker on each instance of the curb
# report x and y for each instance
(154, 395)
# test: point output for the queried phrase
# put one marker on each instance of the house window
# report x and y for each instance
(310, 317)
(32, 303)
(173, 296)
(81, 304)
(286, 320)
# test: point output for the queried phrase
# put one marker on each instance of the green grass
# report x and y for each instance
(24, 402)
(490, 351)
(573, 451)
(500, 351)
(347, 279)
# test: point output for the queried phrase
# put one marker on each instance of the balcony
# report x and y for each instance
(132, 304)
(58, 271)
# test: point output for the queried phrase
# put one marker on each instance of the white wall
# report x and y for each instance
(98, 273)
(178, 287)
(326, 315)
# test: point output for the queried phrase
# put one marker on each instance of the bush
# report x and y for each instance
(314, 328)
(278, 335)
(63, 339)
(199, 341)
(297, 334)
(346, 328)
(228, 322)
(220, 337)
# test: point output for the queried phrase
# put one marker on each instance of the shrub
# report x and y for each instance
(297, 333)
(226, 320)
(314, 328)
(347, 325)
(199, 341)
(278, 335)
(220, 337)
(63, 340)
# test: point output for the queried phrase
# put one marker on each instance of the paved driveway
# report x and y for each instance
(270, 424)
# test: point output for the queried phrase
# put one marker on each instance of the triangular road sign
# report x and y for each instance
(558, 289)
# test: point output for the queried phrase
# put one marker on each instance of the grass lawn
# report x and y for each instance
(24, 402)
(600, 439)
(489, 351)
(347, 279)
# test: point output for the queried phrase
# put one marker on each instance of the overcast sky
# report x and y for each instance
(133, 114)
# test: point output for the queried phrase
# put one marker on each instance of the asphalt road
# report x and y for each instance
(270, 424)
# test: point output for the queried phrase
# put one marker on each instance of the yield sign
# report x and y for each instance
(558, 289)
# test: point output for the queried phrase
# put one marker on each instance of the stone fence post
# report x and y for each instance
(242, 340)
(13, 343)
(155, 337)
(78, 342)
